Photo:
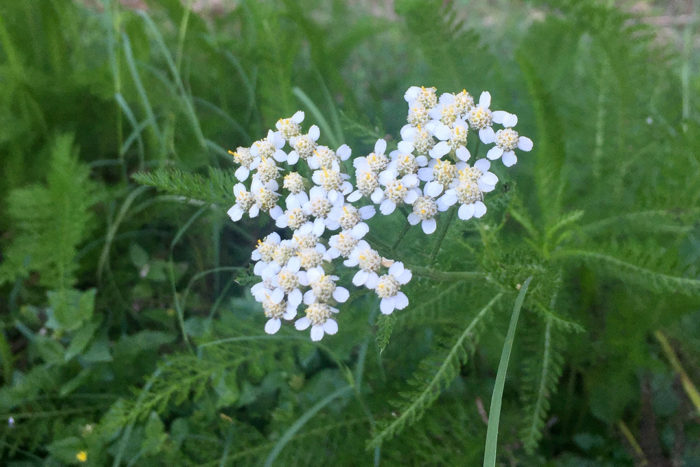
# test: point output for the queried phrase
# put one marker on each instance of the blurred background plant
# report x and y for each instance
(128, 337)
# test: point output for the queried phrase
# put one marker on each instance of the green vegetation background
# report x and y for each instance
(128, 334)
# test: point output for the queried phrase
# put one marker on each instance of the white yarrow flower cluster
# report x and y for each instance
(430, 172)
(297, 272)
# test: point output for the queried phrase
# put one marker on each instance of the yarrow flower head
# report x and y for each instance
(323, 219)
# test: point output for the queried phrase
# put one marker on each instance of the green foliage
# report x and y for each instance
(51, 220)
(128, 333)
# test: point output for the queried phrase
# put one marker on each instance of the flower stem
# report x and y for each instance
(441, 236)
(400, 237)
(434, 274)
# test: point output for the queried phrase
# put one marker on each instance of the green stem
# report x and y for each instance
(400, 237)
(441, 237)
(434, 274)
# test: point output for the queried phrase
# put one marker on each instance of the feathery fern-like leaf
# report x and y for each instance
(430, 389)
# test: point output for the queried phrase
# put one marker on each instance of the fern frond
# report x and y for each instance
(418, 402)
(51, 220)
(215, 188)
(646, 278)
(542, 372)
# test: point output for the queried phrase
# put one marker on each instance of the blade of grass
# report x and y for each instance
(143, 96)
(497, 396)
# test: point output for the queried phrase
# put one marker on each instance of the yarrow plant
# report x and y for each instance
(310, 196)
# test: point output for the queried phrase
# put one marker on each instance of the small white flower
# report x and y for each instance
(439, 175)
(396, 191)
(324, 288)
(468, 190)
(333, 182)
(266, 197)
(294, 217)
(244, 201)
(420, 138)
(269, 147)
(320, 207)
(425, 208)
(507, 139)
(480, 118)
(446, 111)
(368, 261)
(348, 216)
(452, 138)
(247, 161)
(318, 316)
(325, 157)
(344, 243)
(304, 145)
(388, 289)
(426, 97)
(290, 127)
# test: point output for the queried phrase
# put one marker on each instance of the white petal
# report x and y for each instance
(489, 178)
(242, 173)
(377, 196)
(524, 143)
(466, 211)
(292, 158)
(360, 230)
(380, 146)
(499, 116)
(486, 135)
(463, 153)
(372, 279)
(494, 153)
(273, 325)
(291, 312)
(425, 174)
(367, 212)
(485, 99)
(387, 305)
(396, 269)
(294, 264)
(482, 164)
(279, 155)
(405, 277)
(408, 133)
(354, 196)
(510, 120)
(309, 297)
(440, 150)
(314, 132)
(413, 218)
(479, 209)
(400, 300)
(422, 161)
(302, 323)
(316, 332)
(254, 211)
(298, 116)
(385, 176)
(387, 207)
(294, 298)
(341, 294)
(330, 326)
(433, 188)
(509, 159)
(449, 198)
(319, 227)
(442, 131)
(405, 147)
(429, 226)
(276, 296)
(360, 278)
(344, 152)
(235, 213)
(411, 196)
